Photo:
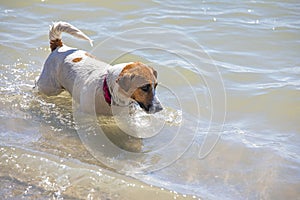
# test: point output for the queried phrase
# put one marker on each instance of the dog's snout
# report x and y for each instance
(155, 107)
(151, 108)
(159, 108)
(148, 107)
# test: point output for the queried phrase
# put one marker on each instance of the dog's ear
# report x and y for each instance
(154, 72)
(125, 80)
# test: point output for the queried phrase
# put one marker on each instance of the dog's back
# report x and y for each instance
(63, 59)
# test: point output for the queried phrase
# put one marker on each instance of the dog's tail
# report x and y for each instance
(58, 27)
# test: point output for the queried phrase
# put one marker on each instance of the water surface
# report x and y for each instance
(234, 66)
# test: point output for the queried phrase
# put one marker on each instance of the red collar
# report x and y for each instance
(106, 93)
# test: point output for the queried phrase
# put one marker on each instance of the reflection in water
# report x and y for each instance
(136, 155)
(133, 132)
(122, 139)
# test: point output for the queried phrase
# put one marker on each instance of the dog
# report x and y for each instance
(91, 81)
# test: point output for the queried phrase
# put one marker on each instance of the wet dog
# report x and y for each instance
(91, 81)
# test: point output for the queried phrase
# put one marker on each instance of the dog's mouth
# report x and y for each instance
(150, 109)
(142, 105)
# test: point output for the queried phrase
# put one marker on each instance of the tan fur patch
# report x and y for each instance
(142, 97)
(138, 74)
(77, 59)
(55, 43)
(139, 68)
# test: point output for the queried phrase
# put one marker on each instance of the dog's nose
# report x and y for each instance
(158, 108)
(153, 108)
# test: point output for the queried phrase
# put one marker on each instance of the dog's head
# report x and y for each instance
(139, 82)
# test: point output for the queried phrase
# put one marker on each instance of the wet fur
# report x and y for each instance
(142, 75)
(82, 76)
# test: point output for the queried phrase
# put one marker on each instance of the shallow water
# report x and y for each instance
(228, 71)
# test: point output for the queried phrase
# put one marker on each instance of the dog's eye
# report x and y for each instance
(146, 88)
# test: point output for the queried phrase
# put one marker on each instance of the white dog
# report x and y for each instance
(91, 81)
